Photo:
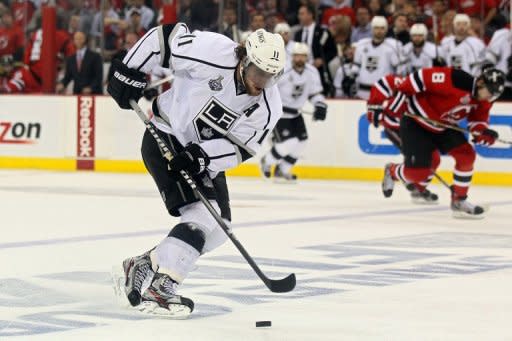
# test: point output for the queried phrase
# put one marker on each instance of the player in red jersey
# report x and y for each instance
(16, 79)
(385, 107)
(63, 48)
(445, 95)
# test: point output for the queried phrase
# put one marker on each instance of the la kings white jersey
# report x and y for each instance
(466, 55)
(414, 61)
(296, 88)
(499, 50)
(202, 105)
(341, 73)
(372, 62)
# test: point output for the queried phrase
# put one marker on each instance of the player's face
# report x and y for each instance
(483, 94)
(299, 61)
(461, 28)
(379, 33)
(418, 39)
(256, 80)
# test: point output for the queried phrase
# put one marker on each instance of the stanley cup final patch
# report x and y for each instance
(214, 120)
(216, 83)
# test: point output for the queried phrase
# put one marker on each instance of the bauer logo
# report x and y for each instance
(19, 132)
(374, 141)
(85, 133)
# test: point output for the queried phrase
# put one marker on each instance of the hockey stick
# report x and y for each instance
(280, 285)
(451, 126)
(169, 79)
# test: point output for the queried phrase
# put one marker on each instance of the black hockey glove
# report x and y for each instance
(374, 114)
(192, 159)
(347, 85)
(149, 94)
(125, 84)
(320, 111)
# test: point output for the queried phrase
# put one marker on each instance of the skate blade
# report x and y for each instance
(464, 215)
(175, 311)
(117, 275)
(417, 201)
(282, 181)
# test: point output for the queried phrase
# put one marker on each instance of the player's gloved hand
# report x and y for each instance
(347, 85)
(192, 159)
(320, 111)
(125, 84)
(484, 136)
(149, 94)
(374, 114)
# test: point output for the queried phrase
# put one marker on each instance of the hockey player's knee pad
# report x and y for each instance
(190, 233)
(417, 174)
(464, 156)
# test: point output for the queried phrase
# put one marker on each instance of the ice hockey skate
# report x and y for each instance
(463, 209)
(282, 177)
(388, 184)
(160, 299)
(265, 169)
(422, 198)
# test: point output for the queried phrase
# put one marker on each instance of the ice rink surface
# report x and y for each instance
(367, 268)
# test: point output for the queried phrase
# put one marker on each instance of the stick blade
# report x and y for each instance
(282, 285)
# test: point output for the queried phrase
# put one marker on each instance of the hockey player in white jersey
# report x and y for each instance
(375, 57)
(418, 53)
(300, 82)
(498, 54)
(461, 50)
(223, 103)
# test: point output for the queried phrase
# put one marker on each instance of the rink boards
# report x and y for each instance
(92, 133)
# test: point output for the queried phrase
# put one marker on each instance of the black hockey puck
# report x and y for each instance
(263, 323)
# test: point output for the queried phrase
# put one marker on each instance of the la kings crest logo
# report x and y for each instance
(216, 83)
(214, 120)
(456, 61)
(372, 63)
(297, 90)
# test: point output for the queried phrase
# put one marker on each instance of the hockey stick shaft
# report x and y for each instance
(156, 84)
(453, 127)
(282, 285)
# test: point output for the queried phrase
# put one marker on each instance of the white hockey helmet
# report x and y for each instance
(461, 18)
(266, 51)
(282, 27)
(419, 29)
(300, 48)
(379, 21)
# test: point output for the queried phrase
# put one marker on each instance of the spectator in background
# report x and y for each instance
(106, 22)
(340, 27)
(473, 8)
(447, 24)
(400, 29)
(257, 21)
(343, 88)
(376, 8)
(340, 7)
(320, 43)
(22, 12)
(133, 23)
(11, 37)
(230, 25)
(284, 30)
(130, 38)
(433, 22)
(84, 68)
(147, 15)
(16, 78)
(363, 28)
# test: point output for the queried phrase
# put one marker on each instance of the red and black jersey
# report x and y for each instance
(63, 48)
(20, 80)
(444, 94)
(384, 92)
(11, 40)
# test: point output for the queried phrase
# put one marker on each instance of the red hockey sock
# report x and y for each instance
(464, 156)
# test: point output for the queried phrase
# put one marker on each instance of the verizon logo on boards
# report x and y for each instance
(19, 132)
(85, 136)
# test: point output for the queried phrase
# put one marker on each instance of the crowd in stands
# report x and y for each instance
(333, 29)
